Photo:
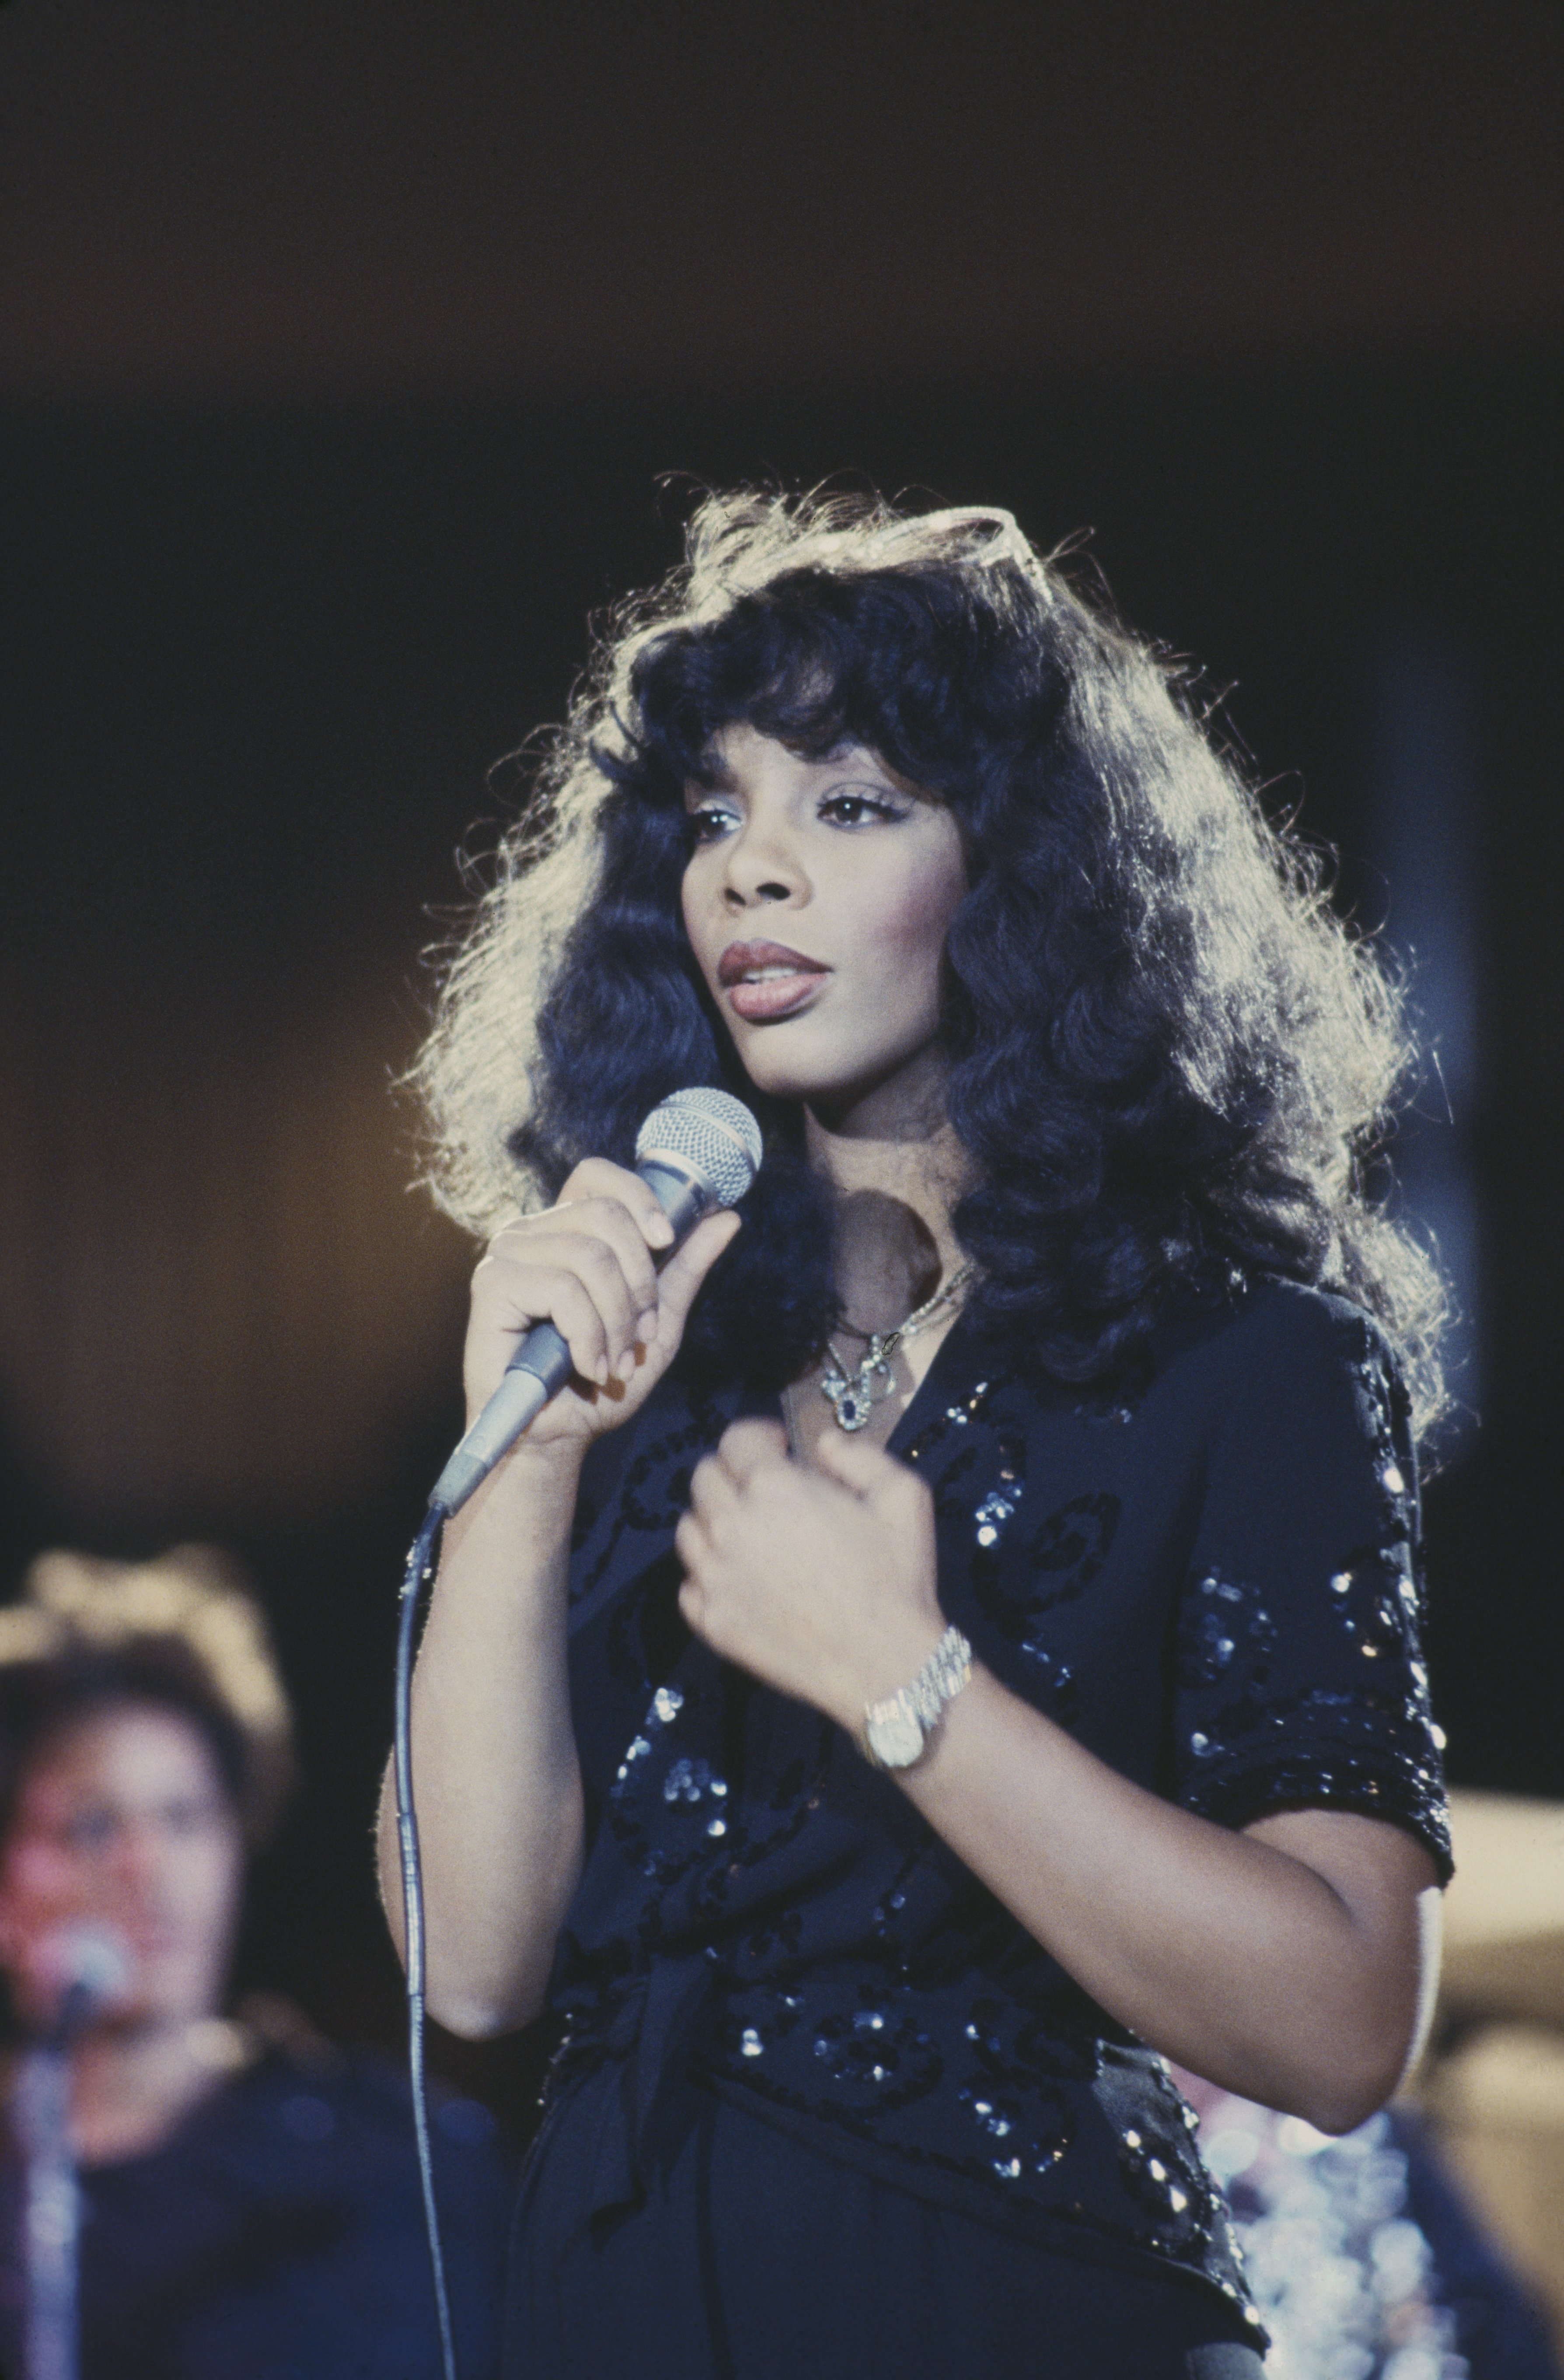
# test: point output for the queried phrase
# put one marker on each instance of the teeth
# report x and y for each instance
(771, 974)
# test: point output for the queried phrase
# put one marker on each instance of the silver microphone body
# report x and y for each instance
(697, 1153)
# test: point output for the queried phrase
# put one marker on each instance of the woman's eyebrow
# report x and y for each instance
(717, 778)
(864, 770)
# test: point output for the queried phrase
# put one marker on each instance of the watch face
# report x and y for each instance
(895, 1737)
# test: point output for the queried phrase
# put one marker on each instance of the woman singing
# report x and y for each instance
(956, 1645)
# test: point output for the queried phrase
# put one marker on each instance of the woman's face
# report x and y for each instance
(817, 903)
(123, 1823)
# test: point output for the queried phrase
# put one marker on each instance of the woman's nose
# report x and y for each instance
(762, 866)
(739, 896)
(142, 1850)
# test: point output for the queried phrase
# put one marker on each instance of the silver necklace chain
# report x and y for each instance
(852, 1392)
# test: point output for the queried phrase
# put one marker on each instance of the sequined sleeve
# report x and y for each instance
(1299, 1678)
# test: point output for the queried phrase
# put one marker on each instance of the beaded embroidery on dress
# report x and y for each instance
(763, 1913)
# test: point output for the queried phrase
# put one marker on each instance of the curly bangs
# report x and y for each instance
(1169, 1060)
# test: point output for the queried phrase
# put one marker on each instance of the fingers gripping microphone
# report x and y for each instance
(698, 1152)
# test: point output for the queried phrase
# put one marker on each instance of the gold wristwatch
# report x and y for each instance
(896, 1732)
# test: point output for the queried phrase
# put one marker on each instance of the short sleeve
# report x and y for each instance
(1299, 1678)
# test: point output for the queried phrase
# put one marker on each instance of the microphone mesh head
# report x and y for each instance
(714, 1133)
(87, 1958)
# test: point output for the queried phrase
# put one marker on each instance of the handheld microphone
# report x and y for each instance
(698, 1152)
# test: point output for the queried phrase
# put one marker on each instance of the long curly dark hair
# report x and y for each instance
(1169, 1061)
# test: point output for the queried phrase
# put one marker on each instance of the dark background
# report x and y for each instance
(343, 349)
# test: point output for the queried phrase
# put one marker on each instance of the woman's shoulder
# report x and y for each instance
(1266, 1323)
(290, 2099)
(1260, 1340)
(1269, 1358)
(1283, 1393)
(360, 2099)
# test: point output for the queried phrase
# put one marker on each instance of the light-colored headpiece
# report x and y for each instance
(739, 545)
(191, 1596)
(985, 532)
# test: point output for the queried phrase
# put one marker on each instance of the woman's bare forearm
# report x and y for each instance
(1289, 1962)
(1292, 1983)
(496, 1780)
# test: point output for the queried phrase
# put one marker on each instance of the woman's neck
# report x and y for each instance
(894, 1193)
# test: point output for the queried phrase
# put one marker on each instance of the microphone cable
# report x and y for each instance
(422, 1557)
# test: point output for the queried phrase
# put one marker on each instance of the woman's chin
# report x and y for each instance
(834, 1083)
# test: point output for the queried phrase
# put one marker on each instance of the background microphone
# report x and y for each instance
(82, 1968)
(77, 1969)
(698, 1152)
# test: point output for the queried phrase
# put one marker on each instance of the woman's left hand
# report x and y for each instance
(821, 1583)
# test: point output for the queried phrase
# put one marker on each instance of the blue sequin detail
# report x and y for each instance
(816, 1947)
(1226, 1634)
(998, 1507)
(686, 1780)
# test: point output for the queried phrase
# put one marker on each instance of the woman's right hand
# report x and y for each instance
(588, 1264)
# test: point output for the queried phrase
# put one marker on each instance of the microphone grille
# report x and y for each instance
(94, 1959)
(713, 1132)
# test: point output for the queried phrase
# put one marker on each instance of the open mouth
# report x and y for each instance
(767, 981)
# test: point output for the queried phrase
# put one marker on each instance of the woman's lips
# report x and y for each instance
(766, 980)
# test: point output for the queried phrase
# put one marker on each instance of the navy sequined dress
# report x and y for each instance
(1208, 1575)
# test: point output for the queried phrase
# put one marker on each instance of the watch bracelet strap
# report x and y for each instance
(941, 1677)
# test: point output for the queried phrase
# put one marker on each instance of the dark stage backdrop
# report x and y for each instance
(258, 661)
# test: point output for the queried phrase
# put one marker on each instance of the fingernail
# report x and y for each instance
(599, 1371)
(660, 1231)
(646, 1325)
(627, 1364)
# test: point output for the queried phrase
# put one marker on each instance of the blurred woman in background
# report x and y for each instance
(250, 2199)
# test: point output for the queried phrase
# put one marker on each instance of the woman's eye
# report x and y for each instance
(710, 825)
(857, 809)
(191, 1817)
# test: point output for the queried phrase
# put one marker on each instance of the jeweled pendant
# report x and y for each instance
(852, 1393)
(850, 1403)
